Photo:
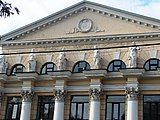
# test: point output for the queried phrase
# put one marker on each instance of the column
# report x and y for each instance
(59, 105)
(26, 105)
(94, 104)
(132, 103)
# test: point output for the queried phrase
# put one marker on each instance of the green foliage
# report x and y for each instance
(6, 9)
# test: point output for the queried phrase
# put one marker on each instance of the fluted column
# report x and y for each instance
(26, 105)
(59, 105)
(94, 104)
(132, 103)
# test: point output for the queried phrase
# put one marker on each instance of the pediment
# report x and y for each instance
(85, 19)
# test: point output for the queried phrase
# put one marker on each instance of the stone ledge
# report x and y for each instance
(94, 73)
(63, 75)
(27, 76)
(132, 72)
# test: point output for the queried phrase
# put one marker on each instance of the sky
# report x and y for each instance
(32, 10)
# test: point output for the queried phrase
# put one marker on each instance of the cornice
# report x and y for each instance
(75, 10)
(84, 40)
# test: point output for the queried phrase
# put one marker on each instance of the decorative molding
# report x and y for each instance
(59, 95)
(86, 40)
(132, 93)
(84, 26)
(79, 8)
(95, 94)
(27, 95)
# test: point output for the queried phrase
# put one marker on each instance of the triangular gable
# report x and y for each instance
(84, 6)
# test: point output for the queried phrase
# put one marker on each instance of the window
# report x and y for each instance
(45, 108)
(115, 108)
(13, 110)
(151, 107)
(80, 66)
(152, 64)
(48, 67)
(79, 108)
(17, 68)
(115, 65)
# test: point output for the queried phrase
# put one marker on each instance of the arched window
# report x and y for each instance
(115, 65)
(80, 66)
(17, 68)
(48, 67)
(152, 64)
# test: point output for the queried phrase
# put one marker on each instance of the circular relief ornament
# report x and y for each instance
(85, 25)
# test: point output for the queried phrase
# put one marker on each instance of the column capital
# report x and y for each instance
(132, 93)
(94, 94)
(27, 95)
(59, 95)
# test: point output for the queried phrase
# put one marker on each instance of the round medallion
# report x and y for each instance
(85, 25)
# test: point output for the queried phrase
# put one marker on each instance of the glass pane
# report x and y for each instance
(44, 70)
(110, 68)
(115, 112)
(73, 111)
(146, 111)
(14, 113)
(46, 109)
(153, 62)
(158, 111)
(80, 99)
(82, 64)
(147, 66)
(122, 111)
(109, 111)
(86, 111)
(117, 63)
(79, 112)
(152, 98)
(116, 68)
(153, 67)
(50, 65)
(50, 69)
(115, 98)
(153, 111)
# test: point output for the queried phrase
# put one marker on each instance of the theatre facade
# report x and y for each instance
(86, 62)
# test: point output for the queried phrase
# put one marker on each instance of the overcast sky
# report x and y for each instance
(32, 10)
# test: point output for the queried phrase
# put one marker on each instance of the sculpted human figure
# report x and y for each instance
(62, 61)
(3, 62)
(96, 58)
(32, 61)
(133, 57)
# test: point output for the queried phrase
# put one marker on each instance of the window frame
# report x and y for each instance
(150, 106)
(113, 106)
(8, 116)
(44, 66)
(81, 70)
(13, 72)
(41, 104)
(114, 66)
(149, 60)
(77, 103)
